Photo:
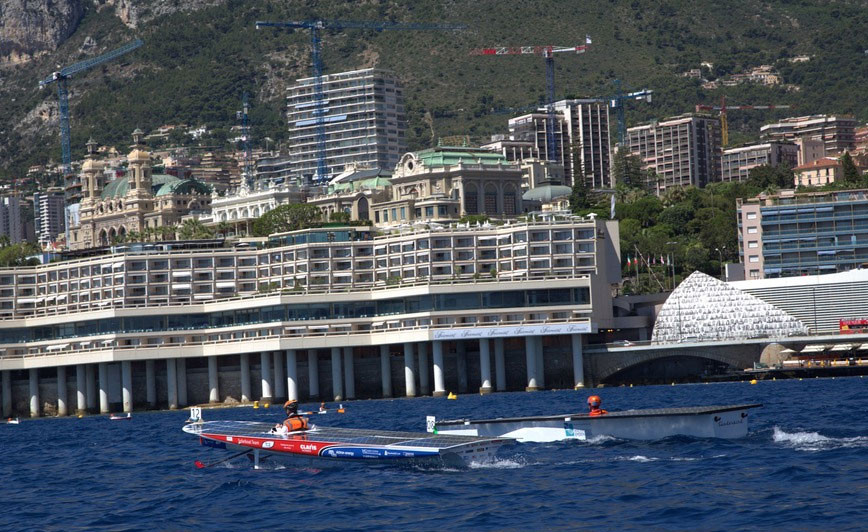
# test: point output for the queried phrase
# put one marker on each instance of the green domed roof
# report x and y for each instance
(161, 185)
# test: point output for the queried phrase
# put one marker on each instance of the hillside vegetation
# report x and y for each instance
(195, 65)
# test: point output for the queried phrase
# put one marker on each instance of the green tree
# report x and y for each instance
(627, 169)
(766, 176)
(580, 198)
(851, 173)
(285, 218)
(193, 229)
(340, 217)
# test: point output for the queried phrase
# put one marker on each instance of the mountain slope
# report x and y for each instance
(196, 63)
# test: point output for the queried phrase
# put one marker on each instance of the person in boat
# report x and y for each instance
(293, 421)
(322, 407)
(594, 403)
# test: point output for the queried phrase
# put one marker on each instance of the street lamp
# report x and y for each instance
(720, 251)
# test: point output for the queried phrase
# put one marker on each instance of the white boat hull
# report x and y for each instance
(700, 422)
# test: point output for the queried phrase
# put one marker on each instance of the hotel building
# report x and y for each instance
(334, 312)
(836, 132)
(736, 163)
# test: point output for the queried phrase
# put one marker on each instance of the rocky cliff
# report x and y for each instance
(30, 28)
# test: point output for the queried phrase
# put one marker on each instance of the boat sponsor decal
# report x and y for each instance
(728, 422)
(373, 453)
(267, 444)
(572, 432)
(207, 442)
(509, 332)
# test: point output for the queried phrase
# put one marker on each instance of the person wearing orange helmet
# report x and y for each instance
(594, 403)
(294, 420)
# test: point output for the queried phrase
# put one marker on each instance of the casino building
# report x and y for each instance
(333, 312)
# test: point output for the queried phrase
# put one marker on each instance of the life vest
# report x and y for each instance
(597, 412)
(296, 423)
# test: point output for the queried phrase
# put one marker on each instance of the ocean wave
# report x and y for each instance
(638, 458)
(499, 463)
(814, 441)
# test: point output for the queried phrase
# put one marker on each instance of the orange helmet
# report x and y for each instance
(594, 401)
(291, 406)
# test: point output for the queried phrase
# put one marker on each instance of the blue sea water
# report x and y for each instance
(803, 466)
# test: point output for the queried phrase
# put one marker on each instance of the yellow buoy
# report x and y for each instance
(451, 396)
(631, 386)
(800, 378)
(266, 405)
(753, 381)
(255, 404)
(80, 416)
(774, 378)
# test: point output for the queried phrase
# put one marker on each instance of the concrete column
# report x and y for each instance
(439, 383)
(91, 387)
(500, 364)
(245, 377)
(61, 391)
(424, 387)
(172, 383)
(213, 381)
(279, 376)
(484, 366)
(409, 370)
(34, 392)
(151, 383)
(540, 363)
(7, 393)
(127, 385)
(265, 373)
(349, 373)
(386, 371)
(337, 385)
(80, 390)
(291, 374)
(181, 366)
(578, 361)
(530, 349)
(102, 367)
(313, 372)
(462, 366)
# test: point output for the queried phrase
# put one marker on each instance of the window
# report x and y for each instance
(751, 216)
(751, 230)
(752, 245)
(754, 274)
(754, 258)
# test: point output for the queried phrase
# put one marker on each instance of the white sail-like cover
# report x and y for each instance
(703, 308)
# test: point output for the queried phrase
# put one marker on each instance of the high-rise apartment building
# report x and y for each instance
(365, 122)
(10, 218)
(681, 151)
(736, 163)
(836, 132)
(48, 209)
(581, 139)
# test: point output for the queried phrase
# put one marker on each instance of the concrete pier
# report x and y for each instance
(409, 370)
(33, 380)
(151, 383)
(182, 382)
(213, 381)
(279, 375)
(80, 390)
(500, 364)
(91, 387)
(172, 384)
(385, 371)
(349, 373)
(337, 385)
(484, 366)
(291, 374)
(6, 379)
(461, 355)
(104, 387)
(61, 391)
(578, 361)
(531, 359)
(540, 362)
(265, 373)
(127, 385)
(424, 369)
(439, 381)
(245, 377)
(313, 373)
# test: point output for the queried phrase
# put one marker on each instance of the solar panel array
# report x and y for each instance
(649, 412)
(255, 429)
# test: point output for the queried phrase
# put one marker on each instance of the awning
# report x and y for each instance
(104, 303)
(842, 347)
(182, 274)
(61, 296)
(118, 265)
(82, 344)
(381, 323)
(786, 351)
(226, 284)
(863, 347)
(317, 327)
(29, 299)
(107, 341)
(57, 347)
(343, 326)
(203, 296)
(181, 286)
(813, 348)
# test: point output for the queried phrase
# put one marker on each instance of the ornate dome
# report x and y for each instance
(161, 185)
(705, 308)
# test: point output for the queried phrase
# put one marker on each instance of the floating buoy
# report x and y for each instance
(80, 416)
(266, 405)
(451, 396)
(673, 384)
(631, 386)
(753, 381)
(800, 378)
(774, 378)
(255, 404)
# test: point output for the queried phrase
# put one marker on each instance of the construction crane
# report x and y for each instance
(616, 102)
(724, 128)
(315, 27)
(548, 53)
(61, 76)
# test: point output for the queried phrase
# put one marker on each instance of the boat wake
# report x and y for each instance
(814, 441)
(499, 463)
